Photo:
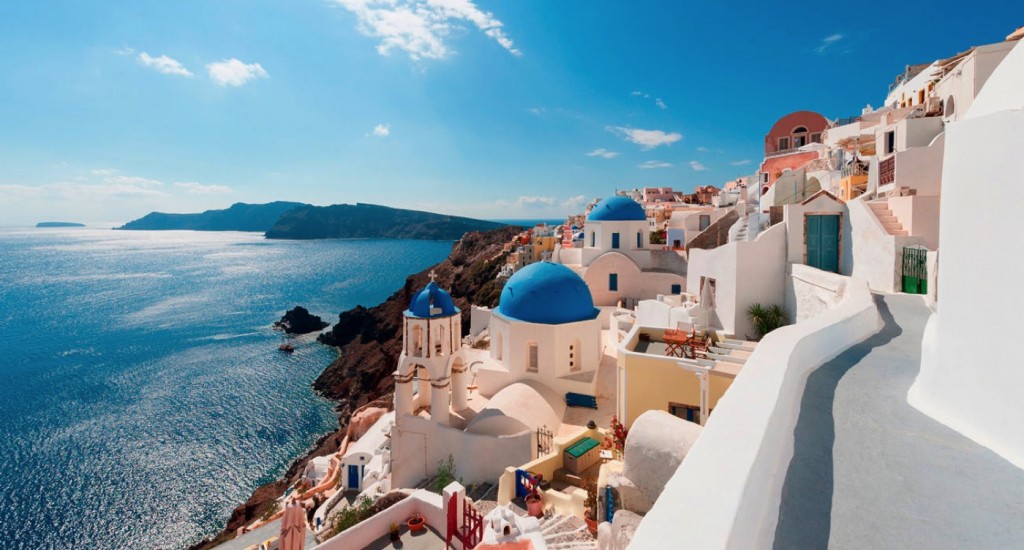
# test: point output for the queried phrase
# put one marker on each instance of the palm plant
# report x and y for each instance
(767, 319)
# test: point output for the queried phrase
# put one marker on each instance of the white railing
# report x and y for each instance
(734, 473)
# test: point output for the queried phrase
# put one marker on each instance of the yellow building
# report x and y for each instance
(648, 379)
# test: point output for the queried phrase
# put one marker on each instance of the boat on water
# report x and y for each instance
(286, 347)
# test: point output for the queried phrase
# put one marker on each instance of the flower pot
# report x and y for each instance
(591, 525)
(534, 505)
(416, 524)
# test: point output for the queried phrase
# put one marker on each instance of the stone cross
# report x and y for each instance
(433, 275)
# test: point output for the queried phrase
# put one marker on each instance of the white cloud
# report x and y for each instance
(420, 27)
(200, 189)
(827, 42)
(382, 130)
(535, 203)
(740, 162)
(702, 149)
(104, 172)
(105, 188)
(654, 164)
(164, 64)
(232, 72)
(649, 139)
(696, 165)
(660, 103)
(603, 153)
(535, 110)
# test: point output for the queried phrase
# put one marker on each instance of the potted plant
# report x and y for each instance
(416, 523)
(534, 501)
(393, 533)
(590, 507)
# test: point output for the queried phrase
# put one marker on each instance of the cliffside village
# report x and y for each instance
(702, 367)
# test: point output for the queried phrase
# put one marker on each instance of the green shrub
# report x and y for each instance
(767, 319)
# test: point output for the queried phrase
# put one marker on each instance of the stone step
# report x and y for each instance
(899, 233)
(887, 218)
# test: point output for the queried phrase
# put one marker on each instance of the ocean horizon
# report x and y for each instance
(143, 397)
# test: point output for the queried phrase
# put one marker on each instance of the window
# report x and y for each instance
(705, 221)
(816, 137)
(613, 282)
(593, 239)
(677, 289)
(783, 143)
(615, 240)
(686, 412)
(532, 366)
(573, 363)
(890, 142)
(799, 141)
(639, 240)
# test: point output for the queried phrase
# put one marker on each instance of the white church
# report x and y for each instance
(482, 405)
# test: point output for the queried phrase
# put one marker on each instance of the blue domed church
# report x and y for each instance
(483, 405)
(546, 329)
(617, 261)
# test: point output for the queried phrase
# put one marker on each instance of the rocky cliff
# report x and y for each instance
(370, 338)
(370, 221)
(239, 217)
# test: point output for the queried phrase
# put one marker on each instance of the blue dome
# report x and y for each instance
(617, 209)
(432, 301)
(547, 293)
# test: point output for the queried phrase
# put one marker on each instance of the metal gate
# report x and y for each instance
(544, 440)
(915, 270)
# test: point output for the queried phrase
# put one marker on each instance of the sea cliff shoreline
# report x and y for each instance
(368, 344)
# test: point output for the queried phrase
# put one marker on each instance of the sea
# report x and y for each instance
(142, 395)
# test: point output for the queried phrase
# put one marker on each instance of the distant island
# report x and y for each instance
(239, 217)
(370, 221)
(59, 224)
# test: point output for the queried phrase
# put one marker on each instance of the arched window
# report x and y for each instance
(639, 239)
(949, 109)
(417, 340)
(532, 357)
(799, 136)
(439, 346)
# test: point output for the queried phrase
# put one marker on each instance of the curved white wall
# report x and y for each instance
(971, 368)
(732, 474)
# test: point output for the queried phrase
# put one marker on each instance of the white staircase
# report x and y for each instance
(566, 533)
(885, 216)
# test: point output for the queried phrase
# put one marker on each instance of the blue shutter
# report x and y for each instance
(814, 241)
(639, 240)
(615, 240)
(677, 289)
(613, 282)
(830, 243)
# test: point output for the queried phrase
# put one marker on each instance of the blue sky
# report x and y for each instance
(512, 109)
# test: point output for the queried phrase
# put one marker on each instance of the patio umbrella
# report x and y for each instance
(706, 305)
(293, 528)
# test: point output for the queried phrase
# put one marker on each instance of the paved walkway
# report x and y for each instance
(870, 471)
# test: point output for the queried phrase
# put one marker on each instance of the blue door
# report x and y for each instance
(353, 477)
(823, 242)
(615, 240)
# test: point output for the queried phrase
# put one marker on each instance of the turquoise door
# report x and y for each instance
(823, 242)
(353, 477)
